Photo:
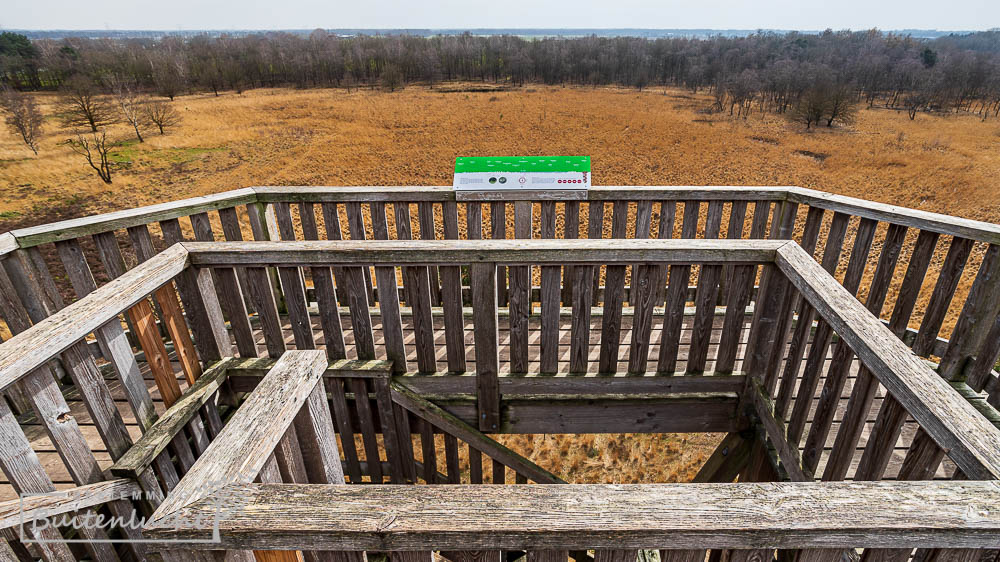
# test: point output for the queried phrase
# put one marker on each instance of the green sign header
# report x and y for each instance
(467, 164)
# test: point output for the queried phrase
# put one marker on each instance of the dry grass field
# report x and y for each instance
(948, 164)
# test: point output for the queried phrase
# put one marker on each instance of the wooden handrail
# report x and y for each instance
(955, 425)
(405, 252)
(384, 518)
(75, 228)
(32, 348)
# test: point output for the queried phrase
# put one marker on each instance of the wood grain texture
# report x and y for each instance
(246, 442)
(484, 303)
(951, 421)
(612, 516)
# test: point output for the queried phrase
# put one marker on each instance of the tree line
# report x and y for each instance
(765, 71)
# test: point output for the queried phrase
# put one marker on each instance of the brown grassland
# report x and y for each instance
(943, 163)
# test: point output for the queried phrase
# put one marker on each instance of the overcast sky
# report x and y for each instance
(309, 14)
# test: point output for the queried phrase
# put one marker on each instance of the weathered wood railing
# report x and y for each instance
(181, 309)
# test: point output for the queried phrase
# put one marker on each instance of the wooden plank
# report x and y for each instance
(873, 514)
(390, 435)
(65, 327)
(342, 419)
(676, 296)
(298, 311)
(580, 327)
(474, 220)
(267, 310)
(416, 283)
(388, 301)
(353, 283)
(739, 283)
(425, 214)
(140, 456)
(199, 295)
(326, 294)
(317, 441)
(865, 385)
(644, 291)
(118, 351)
(498, 231)
(449, 252)
(246, 442)
(706, 297)
(788, 452)
(21, 465)
(484, 303)
(595, 231)
(974, 443)
(451, 459)
(93, 224)
(571, 217)
(727, 461)
(366, 423)
(614, 297)
(457, 428)
(836, 375)
(549, 301)
(451, 297)
(356, 221)
(233, 232)
(980, 308)
(519, 296)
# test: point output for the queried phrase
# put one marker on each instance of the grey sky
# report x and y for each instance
(308, 14)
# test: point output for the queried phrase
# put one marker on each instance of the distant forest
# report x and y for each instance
(765, 71)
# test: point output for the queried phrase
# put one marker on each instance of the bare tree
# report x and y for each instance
(83, 105)
(842, 105)
(392, 77)
(94, 148)
(812, 107)
(129, 102)
(161, 114)
(22, 116)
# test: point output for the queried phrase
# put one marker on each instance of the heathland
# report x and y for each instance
(948, 162)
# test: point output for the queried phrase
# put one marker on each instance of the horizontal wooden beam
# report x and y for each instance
(367, 194)
(94, 224)
(955, 425)
(140, 456)
(952, 514)
(34, 347)
(246, 442)
(914, 218)
(258, 367)
(42, 506)
(439, 252)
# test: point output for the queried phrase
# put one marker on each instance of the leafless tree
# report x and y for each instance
(842, 105)
(392, 77)
(161, 114)
(82, 105)
(812, 107)
(22, 116)
(130, 103)
(94, 148)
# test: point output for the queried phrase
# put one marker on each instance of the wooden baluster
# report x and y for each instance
(739, 281)
(673, 316)
(418, 294)
(614, 297)
(498, 231)
(484, 311)
(706, 297)
(550, 278)
(451, 297)
(519, 307)
(326, 295)
(388, 296)
(425, 214)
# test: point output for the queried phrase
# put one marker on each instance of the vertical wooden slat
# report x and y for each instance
(519, 307)
(840, 364)
(388, 298)
(643, 291)
(865, 385)
(267, 311)
(739, 283)
(263, 230)
(673, 317)
(342, 419)
(643, 224)
(595, 231)
(232, 282)
(451, 297)
(356, 222)
(390, 435)
(425, 212)
(352, 281)
(499, 472)
(451, 459)
(820, 342)
(498, 231)
(580, 323)
(706, 297)
(405, 439)
(784, 226)
(665, 230)
(475, 466)
(549, 341)
(571, 232)
(326, 294)
(484, 310)
(417, 290)
(362, 405)
(428, 451)
(474, 220)
(111, 336)
(614, 297)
